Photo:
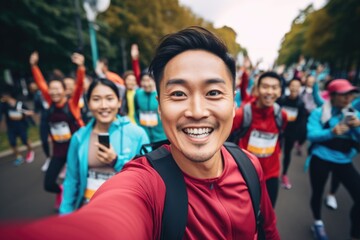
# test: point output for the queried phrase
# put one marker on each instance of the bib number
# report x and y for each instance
(15, 115)
(291, 112)
(262, 144)
(94, 181)
(148, 119)
(60, 132)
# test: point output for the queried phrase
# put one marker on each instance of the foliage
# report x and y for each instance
(49, 26)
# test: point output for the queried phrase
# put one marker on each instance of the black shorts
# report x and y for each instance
(13, 133)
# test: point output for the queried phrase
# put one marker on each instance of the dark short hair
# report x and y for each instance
(102, 81)
(294, 79)
(269, 74)
(57, 80)
(128, 73)
(191, 38)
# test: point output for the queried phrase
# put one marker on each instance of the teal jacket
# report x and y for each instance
(125, 137)
(147, 102)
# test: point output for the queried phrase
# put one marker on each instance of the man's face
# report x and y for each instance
(342, 100)
(196, 105)
(294, 88)
(268, 91)
(147, 83)
(310, 81)
(70, 86)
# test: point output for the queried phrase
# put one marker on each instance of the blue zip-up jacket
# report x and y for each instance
(125, 137)
(316, 133)
(145, 101)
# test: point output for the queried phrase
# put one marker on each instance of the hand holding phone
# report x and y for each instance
(104, 139)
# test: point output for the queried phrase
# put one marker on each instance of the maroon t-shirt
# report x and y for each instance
(61, 126)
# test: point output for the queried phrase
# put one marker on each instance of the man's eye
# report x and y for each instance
(178, 94)
(214, 93)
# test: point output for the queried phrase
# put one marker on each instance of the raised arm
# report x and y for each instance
(79, 60)
(38, 77)
(135, 62)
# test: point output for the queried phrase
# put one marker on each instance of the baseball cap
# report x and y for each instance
(341, 86)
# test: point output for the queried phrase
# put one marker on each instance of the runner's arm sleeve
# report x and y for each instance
(319, 101)
(41, 83)
(71, 184)
(136, 69)
(238, 118)
(79, 87)
(127, 206)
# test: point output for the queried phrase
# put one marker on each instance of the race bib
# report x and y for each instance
(148, 119)
(60, 132)
(95, 179)
(15, 115)
(262, 144)
(291, 112)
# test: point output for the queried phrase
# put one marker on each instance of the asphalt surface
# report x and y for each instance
(23, 197)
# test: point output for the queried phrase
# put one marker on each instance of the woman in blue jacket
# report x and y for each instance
(89, 163)
(334, 132)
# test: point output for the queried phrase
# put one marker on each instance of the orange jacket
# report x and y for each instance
(73, 101)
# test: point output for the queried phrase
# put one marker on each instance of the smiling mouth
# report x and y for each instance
(198, 132)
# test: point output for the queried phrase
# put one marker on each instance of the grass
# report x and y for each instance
(33, 135)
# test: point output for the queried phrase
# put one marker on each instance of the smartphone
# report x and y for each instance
(104, 139)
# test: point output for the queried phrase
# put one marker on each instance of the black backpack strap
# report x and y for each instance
(251, 178)
(245, 125)
(148, 147)
(174, 218)
(278, 117)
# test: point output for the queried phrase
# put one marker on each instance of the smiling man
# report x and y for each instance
(194, 77)
(262, 136)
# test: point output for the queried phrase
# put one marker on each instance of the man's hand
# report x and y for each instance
(78, 59)
(34, 58)
(340, 129)
(104, 154)
(134, 51)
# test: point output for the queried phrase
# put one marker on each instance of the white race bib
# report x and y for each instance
(262, 144)
(15, 115)
(60, 131)
(148, 119)
(95, 179)
(291, 112)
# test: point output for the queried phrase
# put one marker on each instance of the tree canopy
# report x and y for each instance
(330, 35)
(49, 26)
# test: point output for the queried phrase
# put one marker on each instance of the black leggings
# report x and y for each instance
(335, 184)
(347, 175)
(55, 166)
(272, 185)
(288, 146)
(44, 134)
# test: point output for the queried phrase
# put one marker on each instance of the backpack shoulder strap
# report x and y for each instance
(174, 218)
(251, 178)
(278, 117)
(247, 119)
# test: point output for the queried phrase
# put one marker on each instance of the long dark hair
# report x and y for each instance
(102, 81)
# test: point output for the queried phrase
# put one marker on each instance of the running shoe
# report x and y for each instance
(30, 156)
(19, 160)
(285, 182)
(45, 166)
(330, 202)
(319, 231)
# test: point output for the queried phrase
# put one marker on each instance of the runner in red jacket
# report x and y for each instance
(263, 136)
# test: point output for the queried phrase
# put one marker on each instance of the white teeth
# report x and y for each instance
(198, 132)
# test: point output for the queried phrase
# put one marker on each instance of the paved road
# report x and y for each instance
(22, 197)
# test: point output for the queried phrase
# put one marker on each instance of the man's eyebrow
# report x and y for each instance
(182, 81)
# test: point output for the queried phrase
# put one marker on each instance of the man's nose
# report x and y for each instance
(197, 108)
